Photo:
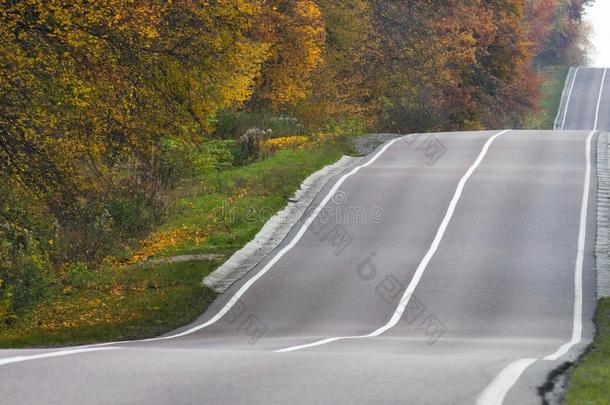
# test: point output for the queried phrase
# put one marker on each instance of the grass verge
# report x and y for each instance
(217, 214)
(589, 379)
(552, 87)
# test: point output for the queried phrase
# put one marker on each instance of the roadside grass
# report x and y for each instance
(218, 215)
(552, 87)
(589, 379)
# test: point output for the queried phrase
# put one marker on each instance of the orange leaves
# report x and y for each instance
(428, 65)
(539, 16)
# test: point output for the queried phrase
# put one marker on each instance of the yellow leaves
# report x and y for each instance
(268, 147)
(109, 79)
(163, 240)
(249, 7)
(296, 33)
(308, 10)
(95, 302)
(81, 313)
(150, 32)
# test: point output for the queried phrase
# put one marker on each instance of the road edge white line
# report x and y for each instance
(421, 268)
(60, 353)
(578, 267)
(227, 307)
(565, 114)
(496, 391)
(599, 99)
(242, 290)
(563, 98)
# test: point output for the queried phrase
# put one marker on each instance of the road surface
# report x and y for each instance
(586, 100)
(450, 268)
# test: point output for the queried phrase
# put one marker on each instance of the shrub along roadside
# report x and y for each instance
(589, 379)
(207, 216)
(552, 86)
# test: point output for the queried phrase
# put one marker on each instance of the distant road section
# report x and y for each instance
(585, 104)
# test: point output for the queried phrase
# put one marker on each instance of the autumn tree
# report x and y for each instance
(347, 82)
(92, 91)
(566, 41)
(294, 31)
(102, 103)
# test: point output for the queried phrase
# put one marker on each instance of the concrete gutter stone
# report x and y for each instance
(276, 229)
(602, 245)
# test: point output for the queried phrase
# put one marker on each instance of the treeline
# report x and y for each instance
(104, 104)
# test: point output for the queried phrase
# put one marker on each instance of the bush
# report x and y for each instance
(233, 125)
(27, 241)
(130, 216)
(22, 279)
(79, 275)
(186, 159)
(249, 144)
(344, 127)
(215, 156)
(29, 286)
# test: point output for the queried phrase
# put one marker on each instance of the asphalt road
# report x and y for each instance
(588, 100)
(447, 269)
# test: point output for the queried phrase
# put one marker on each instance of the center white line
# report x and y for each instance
(495, 392)
(599, 99)
(422, 265)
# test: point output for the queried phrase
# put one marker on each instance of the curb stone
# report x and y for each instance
(564, 99)
(276, 229)
(602, 245)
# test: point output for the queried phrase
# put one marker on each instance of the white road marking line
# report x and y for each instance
(60, 353)
(499, 387)
(281, 253)
(495, 392)
(578, 268)
(564, 98)
(245, 287)
(422, 265)
(599, 99)
(565, 114)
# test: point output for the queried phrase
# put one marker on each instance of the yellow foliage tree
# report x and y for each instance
(295, 32)
(90, 90)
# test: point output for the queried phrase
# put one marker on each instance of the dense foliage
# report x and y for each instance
(106, 104)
